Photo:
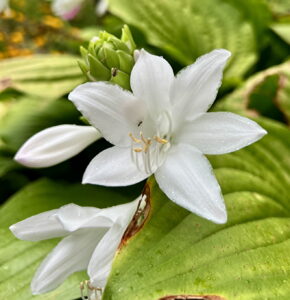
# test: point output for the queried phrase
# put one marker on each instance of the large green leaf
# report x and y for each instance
(19, 259)
(47, 75)
(186, 29)
(178, 253)
(6, 164)
(30, 115)
(266, 93)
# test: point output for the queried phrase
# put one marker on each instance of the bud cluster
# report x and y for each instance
(108, 58)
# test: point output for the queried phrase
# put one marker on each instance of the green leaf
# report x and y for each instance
(19, 259)
(179, 253)
(283, 30)
(6, 163)
(27, 116)
(257, 12)
(47, 75)
(267, 93)
(187, 29)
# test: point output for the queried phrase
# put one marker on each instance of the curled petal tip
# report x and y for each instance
(12, 228)
(85, 181)
(263, 132)
(23, 160)
(16, 231)
(222, 218)
(36, 288)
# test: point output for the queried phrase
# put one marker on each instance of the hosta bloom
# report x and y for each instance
(3, 5)
(162, 127)
(55, 144)
(68, 9)
(92, 236)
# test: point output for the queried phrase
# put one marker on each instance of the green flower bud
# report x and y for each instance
(108, 58)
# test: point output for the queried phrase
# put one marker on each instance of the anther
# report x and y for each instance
(134, 139)
(138, 149)
(160, 140)
(144, 140)
(147, 145)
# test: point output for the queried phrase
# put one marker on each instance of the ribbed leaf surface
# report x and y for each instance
(178, 253)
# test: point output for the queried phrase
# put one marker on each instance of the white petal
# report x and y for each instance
(39, 227)
(3, 5)
(151, 79)
(187, 179)
(55, 144)
(72, 254)
(101, 7)
(113, 167)
(114, 111)
(74, 217)
(119, 213)
(60, 222)
(66, 9)
(195, 87)
(102, 259)
(220, 132)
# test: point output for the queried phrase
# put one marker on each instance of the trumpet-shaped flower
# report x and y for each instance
(92, 236)
(162, 127)
(68, 9)
(55, 144)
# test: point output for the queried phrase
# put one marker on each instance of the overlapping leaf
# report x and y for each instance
(266, 93)
(187, 29)
(178, 253)
(47, 75)
(29, 115)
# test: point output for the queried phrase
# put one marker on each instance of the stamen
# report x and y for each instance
(151, 151)
(147, 145)
(134, 139)
(145, 162)
(87, 288)
(149, 162)
(92, 293)
(82, 287)
(160, 140)
(144, 140)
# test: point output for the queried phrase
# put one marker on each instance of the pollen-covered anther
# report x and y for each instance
(144, 142)
(134, 139)
(160, 140)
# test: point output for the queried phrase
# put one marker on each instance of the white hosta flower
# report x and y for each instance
(68, 9)
(3, 5)
(55, 144)
(163, 128)
(92, 236)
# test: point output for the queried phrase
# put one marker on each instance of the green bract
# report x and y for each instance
(108, 58)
